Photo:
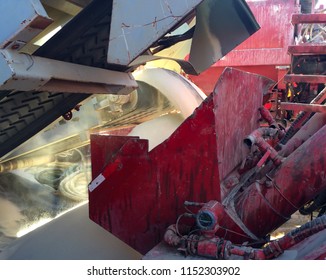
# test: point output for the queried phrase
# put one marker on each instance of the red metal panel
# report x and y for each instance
(272, 40)
(208, 79)
(138, 202)
(264, 50)
(145, 191)
(238, 96)
(103, 152)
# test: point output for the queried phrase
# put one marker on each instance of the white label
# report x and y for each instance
(96, 182)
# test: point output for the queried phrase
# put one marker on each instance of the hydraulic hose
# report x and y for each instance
(219, 248)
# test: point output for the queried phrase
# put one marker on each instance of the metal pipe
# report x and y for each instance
(219, 248)
(255, 211)
(171, 237)
(267, 116)
(25, 162)
(302, 118)
(298, 180)
(316, 122)
(256, 138)
(311, 108)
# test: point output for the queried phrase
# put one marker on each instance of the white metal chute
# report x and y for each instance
(183, 95)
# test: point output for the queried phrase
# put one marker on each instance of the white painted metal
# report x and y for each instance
(137, 24)
(21, 21)
(184, 95)
(25, 73)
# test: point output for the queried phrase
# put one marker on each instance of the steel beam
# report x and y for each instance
(308, 18)
(21, 21)
(25, 73)
(303, 107)
(299, 78)
(307, 49)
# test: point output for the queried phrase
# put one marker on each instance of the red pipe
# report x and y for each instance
(267, 116)
(171, 237)
(256, 138)
(311, 108)
(217, 248)
(250, 213)
(316, 122)
(263, 207)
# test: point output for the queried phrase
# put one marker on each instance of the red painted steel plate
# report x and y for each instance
(145, 191)
(237, 96)
(264, 50)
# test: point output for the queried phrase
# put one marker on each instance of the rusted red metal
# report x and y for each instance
(257, 138)
(139, 201)
(264, 51)
(308, 18)
(267, 116)
(238, 97)
(210, 246)
(276, 198)
(315, 123)
(307, 49)
(299, 78)
(141, 198)
(251, 211)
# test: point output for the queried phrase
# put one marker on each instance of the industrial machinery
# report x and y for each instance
(225, 182)
(173, 173)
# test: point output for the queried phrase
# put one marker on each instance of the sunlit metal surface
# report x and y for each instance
(22, 72)
(133, 30)
(21, 21)
(215, 35)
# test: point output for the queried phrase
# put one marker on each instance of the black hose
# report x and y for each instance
(322, 211)
(318, 203)
(295, 126)
(299, 234)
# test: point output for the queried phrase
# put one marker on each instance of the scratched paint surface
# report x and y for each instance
(237, 96)
(21, 21)
(264, 50)
(137, 24)
(146, 192)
